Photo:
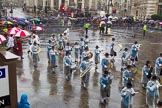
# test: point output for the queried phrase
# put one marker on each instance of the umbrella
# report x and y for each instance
(13, 30)
(160, 23)
(5, 22)
(38, 28)
(22, 33)
(102, 22)
(110, 17)
(2, 38)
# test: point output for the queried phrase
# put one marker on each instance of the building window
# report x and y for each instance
(160, 9)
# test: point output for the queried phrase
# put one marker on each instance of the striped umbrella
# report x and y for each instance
(2, 38)
(13, 30)
(38, 28)
(5, 22)
(22, 33)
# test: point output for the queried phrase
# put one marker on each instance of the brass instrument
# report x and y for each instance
(90, 55)
(110, 65)
(82, 74)
(38, 49)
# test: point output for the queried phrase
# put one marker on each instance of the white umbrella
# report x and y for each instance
(110, 17)
(22, 33)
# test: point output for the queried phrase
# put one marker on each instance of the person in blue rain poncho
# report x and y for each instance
(124, 57)
(49, 47)
(105, 61)
(76, 51)
(23, 103)
(86, 41)
(134, 53)
(67, 48)
(53, 54)
(97, 56)
(127, 76)
(84, 53)
(67, 66)
(127, 94)
(81, 44)
(105, 86)
(146, 73)
(158, 66)
(83, 66)
(152, 92)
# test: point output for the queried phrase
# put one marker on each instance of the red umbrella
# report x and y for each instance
(2, 38)
(38, 28)
(22, 33)
(13, 30)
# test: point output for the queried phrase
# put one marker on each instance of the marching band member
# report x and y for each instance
(67, 66)
(105, 61)
(146, 73)
(68, 48)
(66, 39)
(76, 51)
(124, 56)
(81, 44)
(152, 92)
(29, 44)
(84, 53)
(53, 54)
(127, 94)
(127, 75)
(134, 53)
(60, 42)
(158, 65)
(52, 39)
(35, 54)
(112, 52)
(83, 66)
(105, 86)
(97, 56)
(86, 41)
(49, 46)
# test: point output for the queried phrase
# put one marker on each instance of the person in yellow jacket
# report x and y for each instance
(144, 30)
(86, 26)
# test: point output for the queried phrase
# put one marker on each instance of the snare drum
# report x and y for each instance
(73, 66)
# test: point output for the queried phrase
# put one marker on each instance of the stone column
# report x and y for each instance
(44, 4)
(52, 4)
(36, 3)
(59, 4)
(83, 4)
(75, 1)
(90, 4)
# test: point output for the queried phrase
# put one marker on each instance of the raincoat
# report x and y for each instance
(152, 93)
(127, 75)
(127, 97)
(145, 73)
(67, 66)
(35, 55)
(97, 56)
(85, 78)
(52, 58)
(23, 102)
(104, 64)
(76, 51)
(158, 66)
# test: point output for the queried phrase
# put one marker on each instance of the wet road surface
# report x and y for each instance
(50, 90)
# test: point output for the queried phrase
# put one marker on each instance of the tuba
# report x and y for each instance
(82, 74)
(90, 55)
(38, 49)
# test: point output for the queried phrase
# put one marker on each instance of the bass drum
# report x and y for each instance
(117, 48)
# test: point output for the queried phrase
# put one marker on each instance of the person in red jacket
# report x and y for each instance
(18, 47)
